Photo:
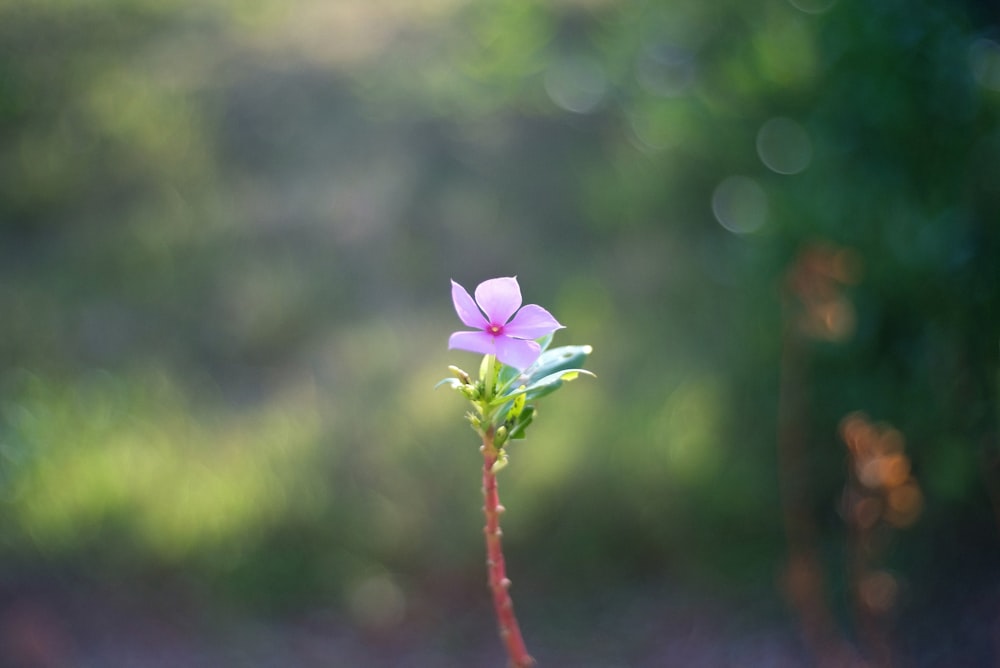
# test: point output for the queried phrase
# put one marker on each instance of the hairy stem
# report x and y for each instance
(498, 582)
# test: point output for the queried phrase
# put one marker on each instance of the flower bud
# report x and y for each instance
(461, 375)
(500, 463)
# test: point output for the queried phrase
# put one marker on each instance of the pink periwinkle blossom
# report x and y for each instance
(501, 329)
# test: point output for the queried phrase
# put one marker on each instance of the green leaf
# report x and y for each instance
(545, 385)
(454, 382)
(557, 359)
(564, 358)
(507, 375)
(526, 418)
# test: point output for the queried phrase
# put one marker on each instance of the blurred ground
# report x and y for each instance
(633, 630)
(102, 626)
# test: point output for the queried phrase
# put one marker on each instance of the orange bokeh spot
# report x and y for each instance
(906, 502)
(878, 591)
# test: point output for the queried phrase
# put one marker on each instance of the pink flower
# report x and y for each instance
(501, 329)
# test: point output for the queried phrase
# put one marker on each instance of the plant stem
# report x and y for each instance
(498, 582)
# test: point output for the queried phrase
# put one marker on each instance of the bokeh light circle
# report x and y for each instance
(784, 146)
(576, 84)
(740, 205)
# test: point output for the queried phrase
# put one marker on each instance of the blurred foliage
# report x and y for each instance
(227, 231)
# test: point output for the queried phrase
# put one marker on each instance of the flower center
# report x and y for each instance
(495, 330)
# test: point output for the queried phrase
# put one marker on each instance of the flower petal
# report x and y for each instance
(476, 342)
(517, 353)
(499, 298)
(467, 310)
(531, 322)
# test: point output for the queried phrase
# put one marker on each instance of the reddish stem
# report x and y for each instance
(498, 582)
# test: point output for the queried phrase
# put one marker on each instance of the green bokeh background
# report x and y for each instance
(226, 235)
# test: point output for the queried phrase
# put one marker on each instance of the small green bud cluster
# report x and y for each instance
(502, 397)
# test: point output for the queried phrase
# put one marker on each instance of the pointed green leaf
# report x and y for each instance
(557, 359)
(454, 382)
(549, 362)
(545, 385)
